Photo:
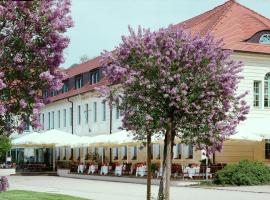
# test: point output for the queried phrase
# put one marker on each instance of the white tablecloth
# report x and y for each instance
(80, 168)
(118, 170)
(193, 171)
(141, 171)
(92, 169)
(104, 170)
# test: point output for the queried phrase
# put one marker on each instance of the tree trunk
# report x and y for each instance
(164, 187)
(148, 146)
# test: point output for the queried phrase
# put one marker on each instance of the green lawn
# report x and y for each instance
(27, 195)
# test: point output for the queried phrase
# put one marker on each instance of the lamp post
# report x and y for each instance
(110, 132)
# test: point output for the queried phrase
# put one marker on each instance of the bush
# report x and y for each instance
(243, 173)
(5, 146)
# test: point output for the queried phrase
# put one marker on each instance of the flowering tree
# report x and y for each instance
(186, 86)
(32, 44)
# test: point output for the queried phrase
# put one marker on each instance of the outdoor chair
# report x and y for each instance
(176, 170)
(112, 168)
(127, 169)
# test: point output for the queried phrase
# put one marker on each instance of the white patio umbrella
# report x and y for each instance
(253, 129)
(51, 137)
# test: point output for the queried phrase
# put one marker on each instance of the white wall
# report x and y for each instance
(256, 66)
(88, 129)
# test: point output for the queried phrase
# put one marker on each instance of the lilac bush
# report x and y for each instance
(178, 85)
(32, 44)
(4, 184)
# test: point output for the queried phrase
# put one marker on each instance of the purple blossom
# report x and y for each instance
(23, 103)
(33, 64)
(2, 84)
(165, 72)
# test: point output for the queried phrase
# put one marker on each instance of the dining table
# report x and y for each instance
(141, 171)
(92, 169)
(104, 170)
(118, 170)
(81, 168)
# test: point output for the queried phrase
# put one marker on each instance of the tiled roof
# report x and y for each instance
(73, 92)
(83, 67)
(232, 22)
(79, 69)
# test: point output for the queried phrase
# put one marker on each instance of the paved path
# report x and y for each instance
(101, 190)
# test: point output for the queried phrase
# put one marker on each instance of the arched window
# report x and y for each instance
(267, 90)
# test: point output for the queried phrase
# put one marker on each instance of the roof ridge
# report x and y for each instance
(229, 5)
(253, 11)
(205, 13)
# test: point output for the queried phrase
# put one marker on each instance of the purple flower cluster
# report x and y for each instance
(172, 74)
(32, 38)
(4, 184)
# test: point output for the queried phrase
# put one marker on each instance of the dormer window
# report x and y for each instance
(78, 81)
(261, 37)
(65, 86)
(53, 93)
(94, 76)
(265, 39)
(45, 93)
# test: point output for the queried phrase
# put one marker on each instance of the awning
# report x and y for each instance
(50, 138)
(254, 129)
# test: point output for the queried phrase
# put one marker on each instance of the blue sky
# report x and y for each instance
(99, 24)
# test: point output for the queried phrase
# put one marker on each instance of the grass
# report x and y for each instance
(29, 195)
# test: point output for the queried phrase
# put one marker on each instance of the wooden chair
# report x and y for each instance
(127, 169)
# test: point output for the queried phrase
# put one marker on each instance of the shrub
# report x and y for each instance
(5, 146)
(243, 173)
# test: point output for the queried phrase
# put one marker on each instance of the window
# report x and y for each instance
(45, 93)
(267, 90)
(117, 111)
(59, 117)
(152, 151)
(115, 153)
(267, 149)
(65, 117)
(70, 116)
(104, 110)
(53, 93)
(99, 152)
(95, 151)
(95, 111)
(78, 153)
(43, 121)
(157, 151)
(79, 115)
(124, 153)
(134, 153)
(52, 119)
(27, 125)
(94, 76)
(49, 120)
(65, 86)
(177, 151)
(188, 151)
(78, 81)
(256, 93)
(265, 39)
(86, 113)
